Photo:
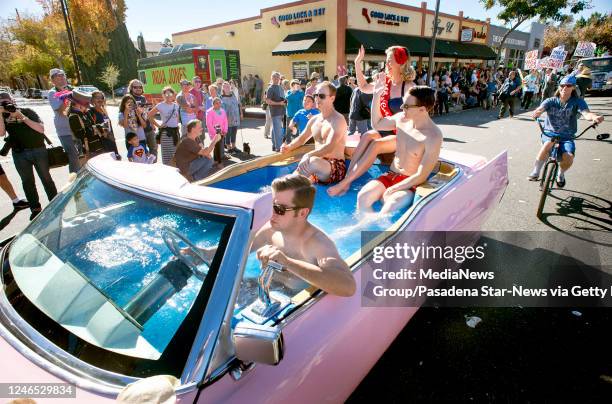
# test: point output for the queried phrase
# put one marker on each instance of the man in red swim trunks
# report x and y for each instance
(418, 147)
(325, 164)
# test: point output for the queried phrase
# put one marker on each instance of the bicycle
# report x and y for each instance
(551, 168)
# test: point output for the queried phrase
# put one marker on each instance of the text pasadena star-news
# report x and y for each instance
(488, 291)
(411, 274)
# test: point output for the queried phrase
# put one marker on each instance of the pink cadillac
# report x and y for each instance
(96, 291)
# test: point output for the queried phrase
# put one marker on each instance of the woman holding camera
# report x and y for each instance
(131, 119)
(102, 121)
(82, 124)
(216, 121)
(168, 129)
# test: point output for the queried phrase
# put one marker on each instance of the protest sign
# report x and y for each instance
(585, 50)
(531, 58)
(557, 56)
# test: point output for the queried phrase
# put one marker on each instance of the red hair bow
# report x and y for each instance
(401, 55)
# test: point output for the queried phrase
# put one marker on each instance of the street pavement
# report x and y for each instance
(584, 201)
(516, 354)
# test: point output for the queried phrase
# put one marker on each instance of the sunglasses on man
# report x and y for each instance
(406, 106)
(321, 96)
(135, 87)
(282, 209)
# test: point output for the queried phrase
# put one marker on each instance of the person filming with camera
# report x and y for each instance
(83, 126)
(26, 138)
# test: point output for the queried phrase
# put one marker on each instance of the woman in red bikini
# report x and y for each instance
(399, 78)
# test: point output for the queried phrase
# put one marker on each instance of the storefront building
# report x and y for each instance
(324, 36)
(515, 46)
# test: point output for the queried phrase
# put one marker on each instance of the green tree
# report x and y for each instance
(516, 12)
(110, 77)
(597, 28)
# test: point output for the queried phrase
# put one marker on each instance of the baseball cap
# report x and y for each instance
(185, 81)
(55, 71)
(568, 81)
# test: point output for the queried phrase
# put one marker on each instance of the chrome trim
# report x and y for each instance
(221, 297)
(48, 356)
(229, 363)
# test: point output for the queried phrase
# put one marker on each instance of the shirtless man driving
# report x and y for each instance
(418, 147)
(304, 251)
(301, 248)
(325, 164)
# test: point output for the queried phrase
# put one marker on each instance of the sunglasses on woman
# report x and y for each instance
(136, 86)
(281, 209)
(321, 96)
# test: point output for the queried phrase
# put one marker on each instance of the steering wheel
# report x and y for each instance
(172, 237)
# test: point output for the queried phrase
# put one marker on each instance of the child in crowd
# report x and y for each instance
(137, 151)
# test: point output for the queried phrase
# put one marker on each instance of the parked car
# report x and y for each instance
(98, 292)
(6, 90)
(87, 89)
(121, 91)
(44, 94)
(29, 93)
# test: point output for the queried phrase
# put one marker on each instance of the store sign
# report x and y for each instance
(300, 70)
(299, 17)
(509, 41)
(384, 18)
(467, 35)
(442, 28)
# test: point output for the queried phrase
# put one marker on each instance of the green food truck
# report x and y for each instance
(169, 69)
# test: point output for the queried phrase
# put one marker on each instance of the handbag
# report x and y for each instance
(57, 155)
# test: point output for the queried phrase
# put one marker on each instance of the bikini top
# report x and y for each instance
(392, 105)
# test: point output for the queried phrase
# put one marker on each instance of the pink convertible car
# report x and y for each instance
(97, 291)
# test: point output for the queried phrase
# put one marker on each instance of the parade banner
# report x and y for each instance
(531, 59)
(585, 50)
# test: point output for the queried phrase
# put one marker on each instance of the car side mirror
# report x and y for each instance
(258, 343)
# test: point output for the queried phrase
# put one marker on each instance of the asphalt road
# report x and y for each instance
(515, 354)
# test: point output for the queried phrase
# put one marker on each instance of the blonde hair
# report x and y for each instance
(408, 72)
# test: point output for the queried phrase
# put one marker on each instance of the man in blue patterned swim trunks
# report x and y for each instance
(561, 119)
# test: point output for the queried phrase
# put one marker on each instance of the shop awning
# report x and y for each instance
(306, 42)
(462, 50)
(377, 42)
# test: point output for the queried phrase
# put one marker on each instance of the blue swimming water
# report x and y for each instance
(334, 215)
(122, 250)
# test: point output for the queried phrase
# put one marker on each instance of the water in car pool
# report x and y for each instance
(336, 216)
(114, 238)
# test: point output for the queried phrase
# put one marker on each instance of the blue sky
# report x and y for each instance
(159, 19)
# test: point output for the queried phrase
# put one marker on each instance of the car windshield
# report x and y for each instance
(599, 64)
(103, 274)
